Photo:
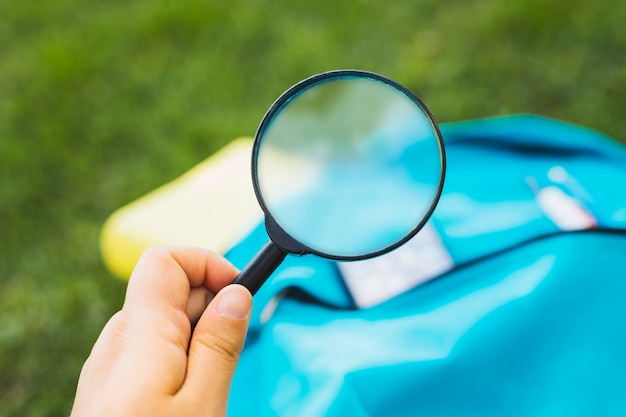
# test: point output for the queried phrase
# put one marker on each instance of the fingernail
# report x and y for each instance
(234, 302)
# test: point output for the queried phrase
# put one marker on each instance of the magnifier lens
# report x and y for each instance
(349, 165)
(346, 165)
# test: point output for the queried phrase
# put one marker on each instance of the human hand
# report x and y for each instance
(150, 360)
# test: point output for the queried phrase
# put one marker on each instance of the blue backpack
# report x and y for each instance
(511, 302)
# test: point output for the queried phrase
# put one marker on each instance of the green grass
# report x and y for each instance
(100, 102)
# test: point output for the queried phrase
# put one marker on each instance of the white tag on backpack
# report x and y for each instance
(565, 211)
(373, 281)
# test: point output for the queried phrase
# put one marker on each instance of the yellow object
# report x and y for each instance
(211, 206)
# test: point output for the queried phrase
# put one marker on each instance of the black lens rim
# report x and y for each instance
(280, 237)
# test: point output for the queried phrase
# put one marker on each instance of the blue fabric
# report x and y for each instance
(529, 320)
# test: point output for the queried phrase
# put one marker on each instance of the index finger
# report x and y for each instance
(165, 274)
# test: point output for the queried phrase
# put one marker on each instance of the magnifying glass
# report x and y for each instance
(346, 165)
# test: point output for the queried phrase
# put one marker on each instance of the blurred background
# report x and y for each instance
(101, 102)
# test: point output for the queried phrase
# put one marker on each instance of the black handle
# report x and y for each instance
(260, 267)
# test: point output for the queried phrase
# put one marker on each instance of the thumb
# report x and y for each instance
(215, 346)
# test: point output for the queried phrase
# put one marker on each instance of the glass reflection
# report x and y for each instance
(349, 166)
